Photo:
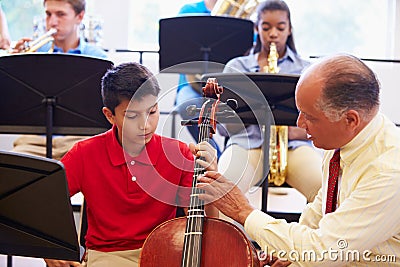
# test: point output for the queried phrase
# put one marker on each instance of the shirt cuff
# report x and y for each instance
(256, 222)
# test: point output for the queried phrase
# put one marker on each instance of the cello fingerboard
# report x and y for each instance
(194, 226)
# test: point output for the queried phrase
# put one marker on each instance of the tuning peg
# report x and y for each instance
(189, 122)
(226, 114)
(229, 104)
(192, 110)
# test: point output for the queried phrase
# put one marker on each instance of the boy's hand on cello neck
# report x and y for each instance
(207, 152)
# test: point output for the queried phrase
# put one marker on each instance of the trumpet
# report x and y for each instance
(41, 41)
(278, 145)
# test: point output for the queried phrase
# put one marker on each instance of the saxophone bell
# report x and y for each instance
(278, 154)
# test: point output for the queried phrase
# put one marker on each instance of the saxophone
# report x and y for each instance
(278, 145)
(273, 57)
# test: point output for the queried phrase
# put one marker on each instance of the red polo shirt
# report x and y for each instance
(127, 197)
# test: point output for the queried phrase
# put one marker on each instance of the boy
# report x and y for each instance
(132, 179)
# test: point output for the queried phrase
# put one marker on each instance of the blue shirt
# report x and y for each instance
(290, 63)
(84, 48)
(198, 8)
(194, 8)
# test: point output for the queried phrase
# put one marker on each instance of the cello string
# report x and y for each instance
(192, 222)
(199, 205)
(197, 220)
(193, 237)
(191, 227)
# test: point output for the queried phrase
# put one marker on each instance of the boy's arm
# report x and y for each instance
(73, 162)
(69, 161)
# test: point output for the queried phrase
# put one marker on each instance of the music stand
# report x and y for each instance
(202, 39)
(263, 99)
(52, 94)
(36, 218)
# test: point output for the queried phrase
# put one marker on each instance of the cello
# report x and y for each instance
(197, 240)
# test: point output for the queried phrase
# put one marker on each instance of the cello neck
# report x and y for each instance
(195, 219)
(192, 251)
(196, 205)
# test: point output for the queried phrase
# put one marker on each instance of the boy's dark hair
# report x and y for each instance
(123, 82)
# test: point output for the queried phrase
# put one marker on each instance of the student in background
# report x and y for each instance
(65, 16)
(243, 153)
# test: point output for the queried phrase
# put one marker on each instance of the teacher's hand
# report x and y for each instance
(224, 195)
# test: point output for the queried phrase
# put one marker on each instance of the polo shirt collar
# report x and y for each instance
(288, 55)
(78, 50)
(114, 149)
(149, 155)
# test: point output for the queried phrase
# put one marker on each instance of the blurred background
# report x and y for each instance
(369, 29)
(366, 28)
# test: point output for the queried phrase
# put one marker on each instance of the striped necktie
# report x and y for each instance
(334, 168)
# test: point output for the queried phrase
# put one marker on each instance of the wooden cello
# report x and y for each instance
(197, 240)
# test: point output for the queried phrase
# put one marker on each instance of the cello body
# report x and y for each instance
(223, 244)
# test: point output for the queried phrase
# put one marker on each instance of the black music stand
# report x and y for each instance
(52, 94)
(202, 39)
(36, 217)
(263, 99)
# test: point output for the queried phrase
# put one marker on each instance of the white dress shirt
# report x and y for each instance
(366, 223)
